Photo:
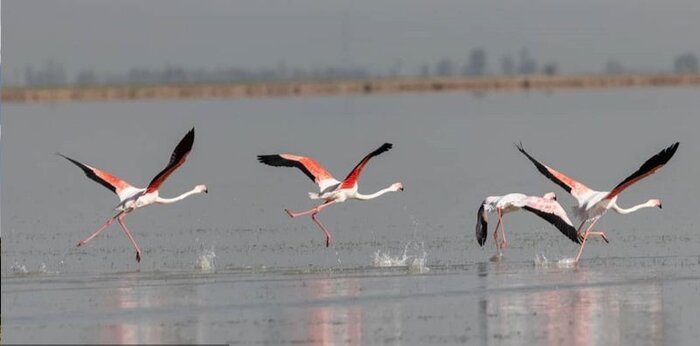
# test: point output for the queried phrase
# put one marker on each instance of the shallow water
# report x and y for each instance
(640, 301)
(231, 266)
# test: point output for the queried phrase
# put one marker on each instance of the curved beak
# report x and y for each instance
(206, 190)
(401, 188)
(660, 207)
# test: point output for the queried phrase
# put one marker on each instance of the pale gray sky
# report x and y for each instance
(117, 35)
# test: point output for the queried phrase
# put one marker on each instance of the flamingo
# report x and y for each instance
(331, 190)
(545, 207)
(132, 198)
(592, 204)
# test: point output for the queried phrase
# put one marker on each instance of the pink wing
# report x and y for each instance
(309, 166)
(112, 182)
(352, 177)
(575, 188)
(552, 212)
(648, 168)
(177, 159)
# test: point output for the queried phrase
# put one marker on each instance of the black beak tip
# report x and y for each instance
(660, 207)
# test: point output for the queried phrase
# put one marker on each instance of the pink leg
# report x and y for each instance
(585, 237)
(594, 232)
(312, 210)
(601, 234)
(328, 234)
(495, 237)
(580, 227)
(128, 234)
(94, 234)
(504, 243)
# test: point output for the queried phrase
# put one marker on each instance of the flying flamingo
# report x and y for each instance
(545, 207)
(593, 204)
(132, 198)
(331, 190)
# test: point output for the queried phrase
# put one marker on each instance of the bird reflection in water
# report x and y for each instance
(585, 312)
(142, 329)
(337, 322)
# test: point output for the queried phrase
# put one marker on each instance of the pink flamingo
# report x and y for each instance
(545, 207)
(593, 204)
(331, 190)
(132, 198)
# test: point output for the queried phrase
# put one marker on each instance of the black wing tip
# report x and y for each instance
(563, 227)
(189, 136)
(522, 150)
(670, 151)
(70, 159)
(664, 155)
(385, 147)
(184, 147)
(272, 160)
(481, 226)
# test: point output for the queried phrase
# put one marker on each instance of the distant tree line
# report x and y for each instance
(476, 63)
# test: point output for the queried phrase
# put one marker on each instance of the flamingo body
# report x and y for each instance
(132, 198)
(592, 204)
(331, 190)
(545, 207)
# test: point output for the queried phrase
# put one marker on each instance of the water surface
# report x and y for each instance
(231, 266)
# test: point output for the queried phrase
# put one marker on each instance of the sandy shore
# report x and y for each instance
(348, 87)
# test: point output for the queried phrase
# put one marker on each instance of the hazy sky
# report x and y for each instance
(117, 35)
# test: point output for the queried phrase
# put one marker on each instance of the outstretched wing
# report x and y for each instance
(575, 188)
(309, 166)
(552, 212)
(648, 168)
(111, 182)
(177, 159)
(352, 177)
(482, 224)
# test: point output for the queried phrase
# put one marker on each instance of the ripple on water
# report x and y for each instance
(414, 257)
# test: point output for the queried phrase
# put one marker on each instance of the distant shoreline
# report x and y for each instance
(341, 87)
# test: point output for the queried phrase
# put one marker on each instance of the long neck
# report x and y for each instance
(178, 198)
(374, 195)
(620, 210)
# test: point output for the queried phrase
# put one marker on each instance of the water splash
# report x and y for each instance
(542, 261)
(205, 260)
(414, 258)
(19, 269)
(566, 262)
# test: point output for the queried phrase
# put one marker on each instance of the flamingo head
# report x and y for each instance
(550, 196)
(655, 203)
(397, 186)
(201, 188)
